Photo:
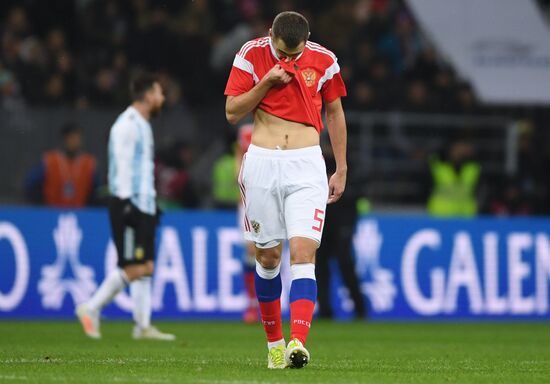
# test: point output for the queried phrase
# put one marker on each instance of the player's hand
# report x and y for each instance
(278, 76)
(336, 186)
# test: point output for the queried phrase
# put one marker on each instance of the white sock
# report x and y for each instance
(267, 274)
(114, 283)
(302, 271)
(271, 344)
(140, 291)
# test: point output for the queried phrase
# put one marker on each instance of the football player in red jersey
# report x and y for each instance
(284, 79)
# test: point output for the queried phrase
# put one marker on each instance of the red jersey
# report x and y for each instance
(316, 78)
(245, 136)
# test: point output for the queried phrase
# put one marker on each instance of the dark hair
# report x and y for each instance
(69, 128)
(291, 27)
(141, 84)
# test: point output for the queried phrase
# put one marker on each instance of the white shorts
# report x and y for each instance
(284, 193)
(240, 214)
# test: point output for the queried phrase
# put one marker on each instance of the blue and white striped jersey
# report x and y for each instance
(131, 162)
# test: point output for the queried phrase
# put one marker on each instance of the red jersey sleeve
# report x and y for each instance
(242, 77)
(333, 85)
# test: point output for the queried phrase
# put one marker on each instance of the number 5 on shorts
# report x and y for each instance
(320, 220)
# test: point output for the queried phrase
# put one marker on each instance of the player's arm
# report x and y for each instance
(237, 107)
(336, 125)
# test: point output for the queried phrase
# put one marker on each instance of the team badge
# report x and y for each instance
(255, 226)
(139, 253)
(309, 76)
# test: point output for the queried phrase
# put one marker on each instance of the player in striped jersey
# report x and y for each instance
(284, 79)
(132, 212)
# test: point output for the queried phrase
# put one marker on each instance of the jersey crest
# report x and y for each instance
(309, 76)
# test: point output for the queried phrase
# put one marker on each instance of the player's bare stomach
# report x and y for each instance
(272, 132)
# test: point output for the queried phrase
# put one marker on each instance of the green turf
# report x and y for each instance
(211, 352)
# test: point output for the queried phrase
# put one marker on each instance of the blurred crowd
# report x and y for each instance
(82, 53)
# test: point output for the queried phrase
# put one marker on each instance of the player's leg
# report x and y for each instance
(263, 221)
(303, 294)
(123, 236)
(305, 204)
(140, 273)
(89, 312)
(249, 267)
(268, 291)
(140, 293)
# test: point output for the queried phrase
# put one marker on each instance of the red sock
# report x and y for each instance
(249, 286)
(301, 313)
(271, 319)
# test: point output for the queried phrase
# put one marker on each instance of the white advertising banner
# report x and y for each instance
(501, 46)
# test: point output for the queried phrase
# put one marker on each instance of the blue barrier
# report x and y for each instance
(411, 268)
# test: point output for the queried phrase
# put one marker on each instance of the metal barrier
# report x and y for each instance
(387, 151)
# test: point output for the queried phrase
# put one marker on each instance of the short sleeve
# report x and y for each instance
(242, 77)
(333, 86)
(122, 148)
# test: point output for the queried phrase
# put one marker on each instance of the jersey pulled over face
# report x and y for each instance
(316, 79)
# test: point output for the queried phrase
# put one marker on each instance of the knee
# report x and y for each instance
(269, 258)
(302, 256)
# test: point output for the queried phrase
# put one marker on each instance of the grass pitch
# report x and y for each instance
(216, 352)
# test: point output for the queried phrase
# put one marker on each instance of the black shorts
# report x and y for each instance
(133, 232)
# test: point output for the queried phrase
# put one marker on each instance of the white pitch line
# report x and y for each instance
(51, 360)
(13, 377)
(214, 381)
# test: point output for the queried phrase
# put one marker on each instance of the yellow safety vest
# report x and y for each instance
(454, 191)
(225, 187)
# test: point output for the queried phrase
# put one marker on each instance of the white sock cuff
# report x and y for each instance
(267, 274)
(302, 271)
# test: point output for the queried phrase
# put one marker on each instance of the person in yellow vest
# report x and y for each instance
(65, 178)
(225, 189)
(455, 181)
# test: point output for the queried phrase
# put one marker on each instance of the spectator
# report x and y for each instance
(363, 97)
(509, 200)
(403, 44)
(337, 244)
(386, 48)
(340, 14)
(444, 88)
(66, 177)
(225, 189)
(18, 22)
(10, 98)
(455, 178)
(466, 101)
(174, 186)
(531, 172)
(417, 98)
(54, 91)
